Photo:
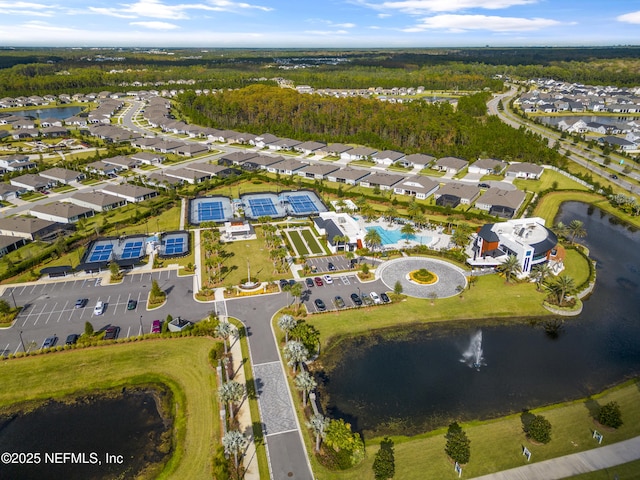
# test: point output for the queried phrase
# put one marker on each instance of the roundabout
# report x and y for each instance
(449, 277)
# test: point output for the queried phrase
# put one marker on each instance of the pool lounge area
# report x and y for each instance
(392, 237)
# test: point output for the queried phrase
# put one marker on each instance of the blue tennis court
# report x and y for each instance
(302, 204)
(101, 253)
(174, 246)
(131, 250)
(210, 211)
(261, 207)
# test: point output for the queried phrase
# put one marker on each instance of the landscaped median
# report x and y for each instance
(180, 363)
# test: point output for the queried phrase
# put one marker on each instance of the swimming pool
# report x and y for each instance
(390, 237)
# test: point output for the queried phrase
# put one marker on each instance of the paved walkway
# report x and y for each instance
(574, 464)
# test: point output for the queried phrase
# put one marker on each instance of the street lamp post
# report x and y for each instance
(22, 342)
(141, 329)
(15, 305)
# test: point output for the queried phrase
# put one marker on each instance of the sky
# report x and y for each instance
(318, 23)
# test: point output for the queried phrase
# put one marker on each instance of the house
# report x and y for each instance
(54, 132)
(32, 182)
(50, 122)
(236, 158)
(337, 149)
(29, 228)
(526, 170)
(336, 227)
(16, 163)
(416, 160)
(450, 165)
(620, 143)
(528, 239)
(101, 168)
(284, 144)
(61, 212)
(260, 162)
(417, 186)
(9, 244)
(62, 175)
(487, 166)
(145, 143)
(221, 171)
(98, 201)
(387, 157)
(148, 158)
(163, 181)
(288, 166)
(358, 153)
(455, 193)
(167, 146)
(188, 175)
(382, 180)
(192, 149)
(131, 193)
(261, 141)
(317, 171)
(348, 176)
(309, 148)
(573, 125)
(503, 203)
(10, 192)
(124, 163)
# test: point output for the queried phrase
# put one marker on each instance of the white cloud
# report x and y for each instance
(463, 23)
(156, 25)
(157, 9)
(27, 8)
(384, 15)
(45, 27)
(633, 17)
(326, 32)
(427, 6)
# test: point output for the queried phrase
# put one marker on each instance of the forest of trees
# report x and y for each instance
(416, 127)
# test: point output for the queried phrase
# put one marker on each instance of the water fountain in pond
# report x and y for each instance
(472, 356)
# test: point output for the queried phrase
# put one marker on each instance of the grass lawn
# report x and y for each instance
(311, 241)
(576, 266)
(64, 188)
(298, 244)
(549, 206)
(477, 303)
(497, 444)
(626, 471)
(181, 363)
(546, 182)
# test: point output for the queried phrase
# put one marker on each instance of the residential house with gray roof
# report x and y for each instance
(131, 193)
(62, 175)
(32, 182)
(29, 228)
(98, 201)
(451, 165)
(382, 180)
(487, 166)
(358, 153)
(525, 170)
(61, 212)
(503, 203)
(318, 171)
(387, 157)
(417, 186)
(453, 194)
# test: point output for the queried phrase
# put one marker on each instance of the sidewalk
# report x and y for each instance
(574, 464)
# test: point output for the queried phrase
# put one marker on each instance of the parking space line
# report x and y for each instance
(63, 310)
(23, 289)
(43, 309)
(128, 332)
(32, 290)
(51, 313)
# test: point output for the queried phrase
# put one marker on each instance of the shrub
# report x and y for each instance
(384, 466)
(610, 415)
(539, 429)
(458, 446)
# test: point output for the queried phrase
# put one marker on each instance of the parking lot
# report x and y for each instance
(339, 263)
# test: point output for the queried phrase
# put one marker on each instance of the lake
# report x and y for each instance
(420, 380)
(54, 112)
(110, 436)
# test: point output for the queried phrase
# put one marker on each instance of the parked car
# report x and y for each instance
(99, 308)
(132, 304)
(356, 299)
(339, 301)
(320, 305)
(484, 185)
(50, 342)
(366, 299)
(309, 282)
(82, 302)
(331, 267)
(111, 333)
(156, 326)
(375, 297)
(385, 298)
(327, 279)
(318, 281)
(71, 339)
(283, 283)
(292, 282)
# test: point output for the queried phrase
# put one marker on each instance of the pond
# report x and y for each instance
(413, 381)
(54, 112)
(93, 437)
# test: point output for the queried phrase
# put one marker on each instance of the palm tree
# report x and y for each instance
(306, 384)
(510, 267)
(390, 214)
(419, 220)
(223, 330)
(540, 273)
(231, 392)
(564, 285)
(318, 424)
(233, 443)
(286, 323)
(560, 229)
(576, 230)
(296, 353)
(408, 230)
(373, 239)
(413, 208)
(296, 292)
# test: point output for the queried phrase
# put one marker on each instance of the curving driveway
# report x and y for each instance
(450, 277)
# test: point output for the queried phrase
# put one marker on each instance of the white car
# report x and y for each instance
(327, 279)
(99, 308)
(375, 297)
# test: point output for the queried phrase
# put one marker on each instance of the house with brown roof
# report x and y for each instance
(503, 203)
(382, 180)
(348, 176)
(455, 193)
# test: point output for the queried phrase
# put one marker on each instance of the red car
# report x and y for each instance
(318, 281)
(156, 326)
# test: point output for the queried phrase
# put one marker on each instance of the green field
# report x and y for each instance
(180, 363)
(298, 244)
(312, 242)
